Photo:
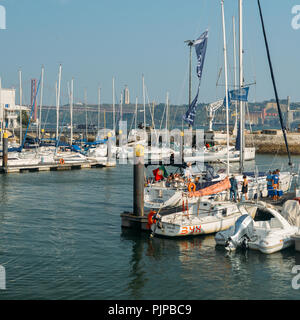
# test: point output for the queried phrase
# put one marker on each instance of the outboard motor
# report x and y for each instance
(243, 231)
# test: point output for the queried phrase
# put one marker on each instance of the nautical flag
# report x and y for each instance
(200, 46)
(190, 114)
(237, 95)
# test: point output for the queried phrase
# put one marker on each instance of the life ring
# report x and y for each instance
(61, 161)
(190, 186)
(150, 218)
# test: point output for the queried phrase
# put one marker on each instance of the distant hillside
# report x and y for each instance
(175, 114)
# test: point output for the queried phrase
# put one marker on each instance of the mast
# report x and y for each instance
(190, 43)
(41, 101)
(99, 107)
(234, 67)
(21, 94)
(121, 107)
(86, 121)
(274, 85)
(136, 107)
(241, 83)
(144, 101)
(226, 83)
(113, 93)
(58, 102)
(71, 109)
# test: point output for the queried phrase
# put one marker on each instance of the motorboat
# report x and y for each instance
(205, 217)
(268, 231)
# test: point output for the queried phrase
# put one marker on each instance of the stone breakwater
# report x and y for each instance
(274, 143)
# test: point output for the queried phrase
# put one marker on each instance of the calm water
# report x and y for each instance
(60, 238)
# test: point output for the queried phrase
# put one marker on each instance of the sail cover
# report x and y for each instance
(213, 189)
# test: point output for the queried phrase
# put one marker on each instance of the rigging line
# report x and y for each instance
(183, 85)
(274, 84)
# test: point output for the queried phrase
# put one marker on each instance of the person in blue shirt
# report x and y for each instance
(233, 188)
(275, 184)
(269, 180)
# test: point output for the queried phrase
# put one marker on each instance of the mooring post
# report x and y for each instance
(138, 182)
(5, 151)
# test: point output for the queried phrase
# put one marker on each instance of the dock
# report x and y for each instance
(57, 166)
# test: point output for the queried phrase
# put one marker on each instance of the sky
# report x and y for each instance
(96, 40)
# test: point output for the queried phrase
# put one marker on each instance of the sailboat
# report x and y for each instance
(162, 194)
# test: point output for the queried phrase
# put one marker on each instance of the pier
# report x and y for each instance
(57, 166)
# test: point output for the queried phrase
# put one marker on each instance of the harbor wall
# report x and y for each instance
(268, 142)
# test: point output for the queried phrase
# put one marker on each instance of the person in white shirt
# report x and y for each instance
(188, 172)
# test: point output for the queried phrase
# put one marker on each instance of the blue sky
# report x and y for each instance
(96, 40)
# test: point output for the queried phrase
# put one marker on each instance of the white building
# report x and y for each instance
(126, 98)
(9, 111)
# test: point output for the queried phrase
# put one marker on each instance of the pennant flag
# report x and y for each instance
(200, 46)
(190, 114)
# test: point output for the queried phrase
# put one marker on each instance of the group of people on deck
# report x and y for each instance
(234, 188)
(273, 184)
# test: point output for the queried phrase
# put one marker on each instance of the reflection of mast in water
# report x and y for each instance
(138, 274)
(3, 191)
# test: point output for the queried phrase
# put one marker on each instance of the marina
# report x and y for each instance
(119, 183)
(71, 235)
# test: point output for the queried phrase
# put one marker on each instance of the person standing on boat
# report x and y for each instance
(269, 182)
(275, 184)
(188, 172)
(233, 188)
(245, 188)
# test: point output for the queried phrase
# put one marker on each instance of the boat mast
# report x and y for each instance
(113, 93)
(144, 101)
(234, 67)
(241, 84)
(71, 109)
(58, 102)
(136, 109)
(226, 83)
(121, 107)
(190, 43)
(41, 101)
(167, 111)
(21, 94)
(86, 121)
(99, 107)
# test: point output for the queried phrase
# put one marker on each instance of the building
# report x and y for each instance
(9, 111)
(126, 98)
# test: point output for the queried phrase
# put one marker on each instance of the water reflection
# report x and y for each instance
(137, 272)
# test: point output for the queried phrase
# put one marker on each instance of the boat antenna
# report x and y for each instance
(274, 84)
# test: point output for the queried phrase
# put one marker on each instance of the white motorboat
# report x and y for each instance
(205, 217)
(269, 231)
